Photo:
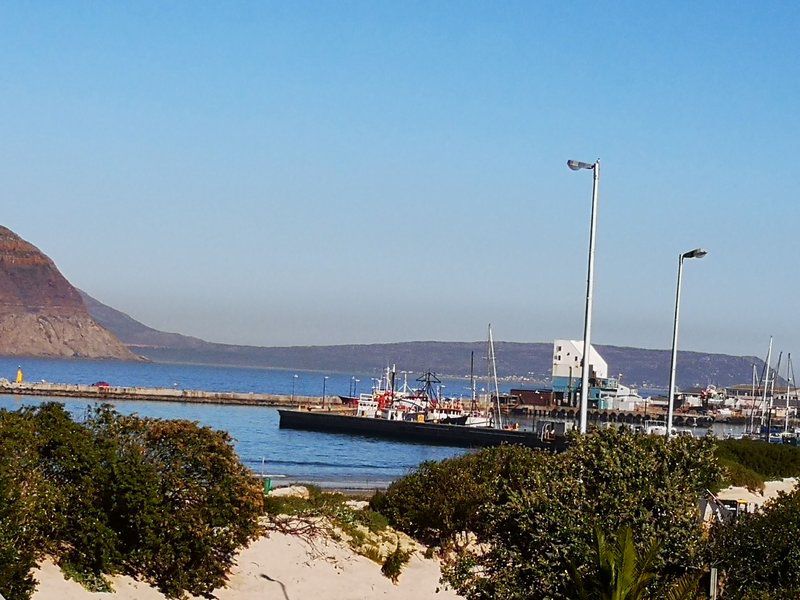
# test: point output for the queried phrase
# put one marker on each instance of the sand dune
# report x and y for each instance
(282, 567)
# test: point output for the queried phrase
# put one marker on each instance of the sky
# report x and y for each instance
(295, 173)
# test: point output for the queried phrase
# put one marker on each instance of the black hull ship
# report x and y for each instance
(414, 431)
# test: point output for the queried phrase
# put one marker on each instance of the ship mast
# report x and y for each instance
(788, 389)
(493, 363)
(474, 406)
(772, 394)
(766, 383)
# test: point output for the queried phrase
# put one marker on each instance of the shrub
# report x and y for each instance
(394, 562)
(182, 503)
(535, 513)
(441, 500)
(27, 505)
(72, 461)
(770, 461)
(167, 501)
(760, 553)
(739, 475)
(374, 521)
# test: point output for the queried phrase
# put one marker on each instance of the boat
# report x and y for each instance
(422, 415)
(424, 404)
(415, 431)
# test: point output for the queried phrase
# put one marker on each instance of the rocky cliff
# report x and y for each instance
(41, 313)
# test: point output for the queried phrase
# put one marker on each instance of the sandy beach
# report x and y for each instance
(283, 567)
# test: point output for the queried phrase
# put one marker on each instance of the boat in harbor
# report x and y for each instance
(417, 431)
(423, 415)
(425, 404)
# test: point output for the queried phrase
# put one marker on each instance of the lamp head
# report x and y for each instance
(576, 165)
(696, 253)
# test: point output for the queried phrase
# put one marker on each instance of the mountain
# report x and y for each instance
(638, 366)
(41, 313)
(135, 334)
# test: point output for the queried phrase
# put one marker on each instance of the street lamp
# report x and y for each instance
(696, 253)
(587, 323)
(294, 380)
(324, 383)
(355, 387)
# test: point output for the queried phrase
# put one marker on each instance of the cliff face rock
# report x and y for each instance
(41, 313)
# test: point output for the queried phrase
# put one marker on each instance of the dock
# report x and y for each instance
(113, 393)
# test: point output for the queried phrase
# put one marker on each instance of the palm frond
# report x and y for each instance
(684, 588)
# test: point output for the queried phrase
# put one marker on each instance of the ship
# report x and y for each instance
(421, 415)
(417, 431)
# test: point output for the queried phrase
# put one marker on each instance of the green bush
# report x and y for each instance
(374, 521)
(739, 475)
(441, 500)
(394, 562)
(182, 503)
(166, 501)
(770, 461)
(70, 459)
(26, 505)
(759, 554)
(535, 513)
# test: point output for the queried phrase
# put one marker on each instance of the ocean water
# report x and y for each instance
(330, 460)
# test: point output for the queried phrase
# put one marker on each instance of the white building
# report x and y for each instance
(567, 357)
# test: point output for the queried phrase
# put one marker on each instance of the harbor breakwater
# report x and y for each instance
(65, 390)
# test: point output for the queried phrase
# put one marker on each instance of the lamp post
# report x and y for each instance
(355, 387)
(294, 380)
(324, 383)
(696, 253)
(587, 323)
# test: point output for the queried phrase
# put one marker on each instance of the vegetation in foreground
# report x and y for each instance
(519, 524)
(614, 516)
(165, 501)
(760, 552)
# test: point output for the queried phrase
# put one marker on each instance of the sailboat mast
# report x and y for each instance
(474, 405)
(772, 394)
(753, 399)
(788, 388)
(494, 372)
(766, 382)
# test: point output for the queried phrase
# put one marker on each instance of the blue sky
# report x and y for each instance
(302, 173)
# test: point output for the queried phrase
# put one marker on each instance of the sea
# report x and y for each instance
(285, 456)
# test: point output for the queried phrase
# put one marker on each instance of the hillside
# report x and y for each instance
(638, 366)
(41, 313)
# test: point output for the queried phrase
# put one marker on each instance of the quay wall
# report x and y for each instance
(102, 393)
(617, 416)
